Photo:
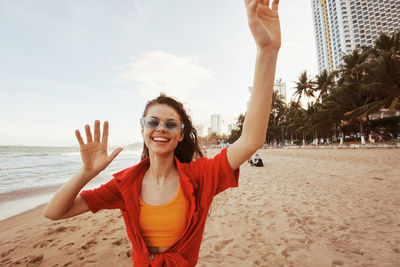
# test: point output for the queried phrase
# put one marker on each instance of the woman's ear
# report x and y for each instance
(182, 136)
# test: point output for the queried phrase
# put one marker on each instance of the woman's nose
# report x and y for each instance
(161, 127)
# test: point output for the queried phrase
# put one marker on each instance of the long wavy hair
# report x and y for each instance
(188, 149)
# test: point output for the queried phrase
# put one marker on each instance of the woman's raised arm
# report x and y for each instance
(265, 28)
(66, 202)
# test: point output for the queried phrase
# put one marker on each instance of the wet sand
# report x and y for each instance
(305, 207)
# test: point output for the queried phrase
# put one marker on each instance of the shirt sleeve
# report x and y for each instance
(107, 196)
(217, 174)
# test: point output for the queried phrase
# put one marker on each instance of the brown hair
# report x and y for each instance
(189, 148)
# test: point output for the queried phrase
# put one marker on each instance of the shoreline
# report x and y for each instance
(20, 201)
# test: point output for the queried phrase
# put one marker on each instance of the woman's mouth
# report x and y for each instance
(160, 139)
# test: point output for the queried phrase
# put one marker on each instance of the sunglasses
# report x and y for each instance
(154, 123)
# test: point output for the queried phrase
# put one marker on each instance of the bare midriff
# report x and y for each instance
(156, 250)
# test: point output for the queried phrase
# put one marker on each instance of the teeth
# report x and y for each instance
(160, 139)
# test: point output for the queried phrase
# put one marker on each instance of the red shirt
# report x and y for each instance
(200, 181)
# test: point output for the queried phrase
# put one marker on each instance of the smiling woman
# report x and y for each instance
(166, 197)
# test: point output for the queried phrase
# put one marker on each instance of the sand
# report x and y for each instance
(305, 207)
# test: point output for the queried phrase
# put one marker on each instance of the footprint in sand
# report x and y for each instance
(29, 260)
(5, 253)
(118, 242)
(66, 246)
(221, 244)
(62, 229)
(337, 263)
(252, 198)
(89, 244)
(43, 244)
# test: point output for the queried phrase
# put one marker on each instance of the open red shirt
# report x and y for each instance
(200, 181)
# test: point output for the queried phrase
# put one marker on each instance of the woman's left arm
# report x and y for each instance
(265, 28)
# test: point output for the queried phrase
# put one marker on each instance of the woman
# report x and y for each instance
(165, 198)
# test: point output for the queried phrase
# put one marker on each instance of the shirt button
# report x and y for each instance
(151, 257)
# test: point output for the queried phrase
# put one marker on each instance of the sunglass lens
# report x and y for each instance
(152, 123)
(172, 126)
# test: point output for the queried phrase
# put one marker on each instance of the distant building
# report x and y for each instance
(340, 26)
(199, 129)
(216, 123)
(280, 88)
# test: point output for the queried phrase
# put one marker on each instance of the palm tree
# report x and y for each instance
(304, 86)
(275, 123)
(352, 78)
(337, 104)
(383, 73)
(291, 114)
(323, 84)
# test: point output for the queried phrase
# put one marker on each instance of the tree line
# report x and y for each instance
(340, 103)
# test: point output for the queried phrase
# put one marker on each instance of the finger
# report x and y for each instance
(104, 138)
(79, 137)
(247, 2)
(252, 4)
(88, 133)
(114, 154)
(275, 4)
(97, 131)
(266, 2)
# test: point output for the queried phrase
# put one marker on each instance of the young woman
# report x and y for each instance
(165, 198)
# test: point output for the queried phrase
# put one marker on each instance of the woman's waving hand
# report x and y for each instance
(264, 23)
(94, 152)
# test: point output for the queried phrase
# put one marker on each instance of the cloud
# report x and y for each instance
(158, 71)
(139, 10)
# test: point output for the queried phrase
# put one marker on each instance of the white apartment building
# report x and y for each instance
(216, 123)
(340, 26)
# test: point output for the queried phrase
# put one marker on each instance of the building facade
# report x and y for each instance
(216, 123)
(340, 26)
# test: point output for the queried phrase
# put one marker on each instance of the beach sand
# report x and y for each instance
(305, 207)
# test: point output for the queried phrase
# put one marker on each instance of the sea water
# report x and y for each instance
(29, 176)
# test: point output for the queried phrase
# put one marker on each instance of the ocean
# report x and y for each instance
(29, 176)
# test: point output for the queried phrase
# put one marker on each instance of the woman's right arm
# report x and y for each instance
(66, 202)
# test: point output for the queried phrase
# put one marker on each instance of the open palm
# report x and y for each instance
(264, 23)
(94, 152)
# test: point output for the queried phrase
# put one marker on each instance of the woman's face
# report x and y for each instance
(160, 140)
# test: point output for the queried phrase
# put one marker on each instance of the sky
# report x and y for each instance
(65, 64)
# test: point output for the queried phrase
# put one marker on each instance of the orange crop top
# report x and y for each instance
(161, 226)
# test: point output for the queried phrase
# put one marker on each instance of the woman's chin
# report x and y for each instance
(161, 149)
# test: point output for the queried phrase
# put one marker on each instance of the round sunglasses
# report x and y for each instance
(154, 123)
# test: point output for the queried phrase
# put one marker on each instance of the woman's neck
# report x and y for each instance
(161, 167)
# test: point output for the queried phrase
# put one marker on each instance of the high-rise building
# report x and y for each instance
(280, 88)
(341, 26)
(216, 123)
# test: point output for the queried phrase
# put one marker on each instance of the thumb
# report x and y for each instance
(114, 154)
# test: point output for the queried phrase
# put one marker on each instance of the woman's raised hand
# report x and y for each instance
(264, 23)
(94, 153)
